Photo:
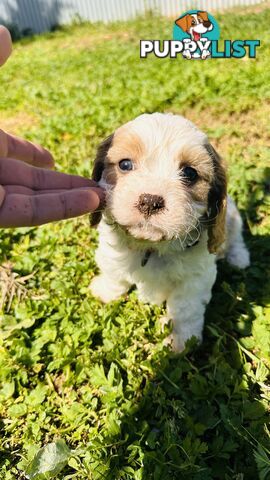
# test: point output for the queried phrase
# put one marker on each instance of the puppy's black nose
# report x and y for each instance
(206, 23)
(150, 204)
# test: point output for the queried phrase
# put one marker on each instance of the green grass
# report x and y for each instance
(97, 377)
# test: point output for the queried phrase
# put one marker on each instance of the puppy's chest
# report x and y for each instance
(149, 265)
(172, 267)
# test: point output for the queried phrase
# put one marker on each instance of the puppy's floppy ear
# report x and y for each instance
(203, 15)
(99, 165)
(217, 202)
(183, 22)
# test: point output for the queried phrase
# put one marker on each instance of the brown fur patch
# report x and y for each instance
(199, 191)
(126, 144)
(99, 166)
(100, 159)
(216, 203)
(198, 158)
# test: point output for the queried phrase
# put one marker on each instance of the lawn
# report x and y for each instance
(94, 382)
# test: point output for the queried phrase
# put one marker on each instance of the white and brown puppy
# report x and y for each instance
(165, 219)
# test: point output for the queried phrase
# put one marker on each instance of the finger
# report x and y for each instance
(15, 147)
(28, 191)
(13, 172)
(5, 44)
(2, 195)
(25, 211)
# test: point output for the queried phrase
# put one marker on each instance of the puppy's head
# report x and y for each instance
(164, 181)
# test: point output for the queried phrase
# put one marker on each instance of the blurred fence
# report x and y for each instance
(42, 15)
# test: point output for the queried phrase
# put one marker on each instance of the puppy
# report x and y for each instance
(195, 25)
(165, 219)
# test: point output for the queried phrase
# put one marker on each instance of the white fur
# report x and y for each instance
(179, 275)
(183, 279)
(236, 252)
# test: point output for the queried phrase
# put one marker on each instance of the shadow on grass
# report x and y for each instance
(201, 416)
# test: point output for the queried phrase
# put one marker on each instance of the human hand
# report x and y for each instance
(33, 196)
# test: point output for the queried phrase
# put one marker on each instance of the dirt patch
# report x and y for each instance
(92, 39)
(22, 121)
(249, 127)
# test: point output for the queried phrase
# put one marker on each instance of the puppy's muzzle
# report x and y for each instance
(150, 204)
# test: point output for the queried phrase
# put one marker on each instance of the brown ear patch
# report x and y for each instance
(217, 202)
(99, 165)
(203, 15)
(184, 22)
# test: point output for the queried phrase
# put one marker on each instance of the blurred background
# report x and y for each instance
(34, 16)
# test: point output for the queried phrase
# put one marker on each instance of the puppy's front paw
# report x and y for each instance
(163, 322)
(105, 291)
(177, 342)
(173, 340)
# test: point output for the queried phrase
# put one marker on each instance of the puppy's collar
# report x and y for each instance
(146, 256)
(193, 244)
(147, 253)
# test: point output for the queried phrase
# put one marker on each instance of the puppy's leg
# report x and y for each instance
(237, 253)
(186, 307)
(107, 289)
(113, 263)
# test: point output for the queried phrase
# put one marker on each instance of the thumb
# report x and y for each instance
(5, 44)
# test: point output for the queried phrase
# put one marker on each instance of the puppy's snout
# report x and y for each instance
(150, 204)
(206, 23)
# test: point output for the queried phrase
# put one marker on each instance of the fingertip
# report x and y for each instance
(93, 200)
(49, 159)
(43, 158)
(101, 194)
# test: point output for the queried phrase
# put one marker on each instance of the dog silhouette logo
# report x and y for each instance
(196, 29)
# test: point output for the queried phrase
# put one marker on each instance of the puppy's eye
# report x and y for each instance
(193, 22)
(189, 174)
(126, 164)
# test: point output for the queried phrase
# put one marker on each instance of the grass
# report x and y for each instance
(92, 384)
